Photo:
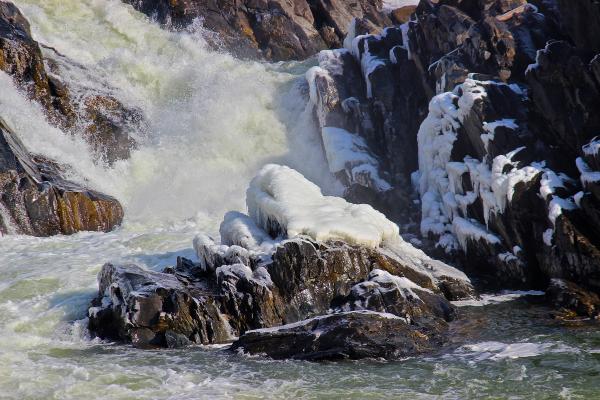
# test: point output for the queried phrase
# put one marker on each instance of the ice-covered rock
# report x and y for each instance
(283, 202)
(308, 265)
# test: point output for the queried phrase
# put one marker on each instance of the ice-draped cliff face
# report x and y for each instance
(212, 121)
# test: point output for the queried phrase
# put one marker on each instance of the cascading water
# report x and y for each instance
(213, 121)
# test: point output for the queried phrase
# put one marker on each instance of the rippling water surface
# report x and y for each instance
(212, 122)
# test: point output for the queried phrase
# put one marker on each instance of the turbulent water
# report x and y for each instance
(212, 122)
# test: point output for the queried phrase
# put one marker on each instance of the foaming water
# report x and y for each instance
(212, 122)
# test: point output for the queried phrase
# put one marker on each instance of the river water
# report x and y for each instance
(213, 121)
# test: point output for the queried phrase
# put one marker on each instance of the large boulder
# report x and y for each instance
(349, 335)
(37, 201)
(317, 252)
(275, 30)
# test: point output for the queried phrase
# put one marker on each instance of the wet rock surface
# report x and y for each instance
(104, 122)
(252, 281)
(21, 57)
(572, 301)
(37, 201)
(349, 335)
(275, 30)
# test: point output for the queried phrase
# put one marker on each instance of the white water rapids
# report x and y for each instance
(213, 121)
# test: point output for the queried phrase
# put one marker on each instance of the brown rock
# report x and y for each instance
(402, 15)
(275, 30)
(572, 301)
(37, 201)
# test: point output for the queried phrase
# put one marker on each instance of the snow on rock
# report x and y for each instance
(348, 153)
(493, 181)
(328, 67)
(440, 180)
(282, 202)
(384, 281)
(490, 129)
(241, 271)
(592, 148)
(368, 61)
(587, 174)
(409, 255)
(212, 255)
(390, 5)
(465, 229)
(556, 207)
(241, 230)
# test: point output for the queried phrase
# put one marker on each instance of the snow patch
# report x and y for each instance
(469, 229)
(391, 5)
(281, 200)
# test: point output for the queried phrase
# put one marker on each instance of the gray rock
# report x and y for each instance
(350, 335)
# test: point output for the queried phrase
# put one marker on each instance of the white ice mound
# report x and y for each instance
(284, 203)
(240, 230)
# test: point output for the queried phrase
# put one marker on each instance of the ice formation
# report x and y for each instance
(390, 5)
(349, 152)
(281, 201)
(444, 201)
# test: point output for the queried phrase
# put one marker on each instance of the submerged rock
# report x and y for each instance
(572, 301)
(348, 335)
(37, 201)
(256, 280)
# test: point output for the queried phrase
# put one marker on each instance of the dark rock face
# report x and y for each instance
(275, 30)
(148, 308)
(37, 201)
(351, 335)
(581, 21)
(302, 279)
(104, 122)
(515, 142)
(565, 92)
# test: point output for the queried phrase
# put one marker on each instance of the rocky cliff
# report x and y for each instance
(488, 109)
(274, 30)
